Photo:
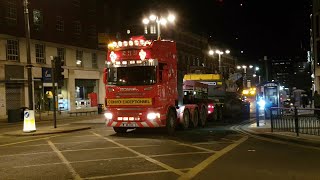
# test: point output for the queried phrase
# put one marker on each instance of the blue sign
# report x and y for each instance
(26, 114)
(46, 75)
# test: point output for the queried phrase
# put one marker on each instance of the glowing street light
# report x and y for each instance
(160, 21)
(219, 52)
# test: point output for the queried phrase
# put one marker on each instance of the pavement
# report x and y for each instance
(264, 129)
(44, 124)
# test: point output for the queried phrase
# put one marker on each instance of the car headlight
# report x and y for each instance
(108, 115)
(153, 116)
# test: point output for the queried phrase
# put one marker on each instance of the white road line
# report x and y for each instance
(75, 175)
(35, 145)
(190, 145)
(31, 140)
(228, 140)
(72, 162)
(116, 147)
(132, 174)
(195, 170)
(180, 154)
(209, 142)
(165, 166)
(26, 154)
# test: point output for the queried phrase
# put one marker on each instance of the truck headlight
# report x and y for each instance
(153, 116)
(108, 115)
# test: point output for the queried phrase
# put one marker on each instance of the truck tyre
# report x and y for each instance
(195, 121)
(203, 117)
(186, 119)
(171, 123)
(120, 129)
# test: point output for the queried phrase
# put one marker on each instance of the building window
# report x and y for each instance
(61, 54)
(76, 3)
(59, 24)
(11, 12)
(94, 60)
(92, 31)
(145, 29)
(77, 27)
(79, 57)
(37, 19)
(40, 54)
(153, 29)
(12, 50)
(92, 12)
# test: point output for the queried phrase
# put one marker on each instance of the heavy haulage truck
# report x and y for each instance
(145, 89)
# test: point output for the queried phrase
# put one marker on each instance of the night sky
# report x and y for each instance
(276, 28)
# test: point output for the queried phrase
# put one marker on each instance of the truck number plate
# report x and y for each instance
(129, 125)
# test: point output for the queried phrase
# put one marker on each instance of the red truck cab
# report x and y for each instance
(141, 80)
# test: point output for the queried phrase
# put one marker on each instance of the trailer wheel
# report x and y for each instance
(195, 121)
(171, 122)
(203, 117)
(186, 119)
(120, 129)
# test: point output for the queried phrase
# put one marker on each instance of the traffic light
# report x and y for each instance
(58, 71)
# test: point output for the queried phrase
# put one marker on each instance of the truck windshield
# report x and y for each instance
(132, 76)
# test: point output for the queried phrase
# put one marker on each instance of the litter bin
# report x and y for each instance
(100, 108)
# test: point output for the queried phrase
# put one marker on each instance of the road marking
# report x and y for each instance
(31, 140)
(116, 147)
(84, 161)
(132, 174)
(211, 142)
(238, 129)
(196, 147)
(75, 175)
(195, 170)
(165, 166)
(179, 154)
(26, 154)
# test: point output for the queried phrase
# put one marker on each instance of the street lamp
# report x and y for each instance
(160, 21)
(219, 52)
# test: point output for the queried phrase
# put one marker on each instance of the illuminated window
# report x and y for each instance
(11, 12)
(37, 19)
(145, 29)
(59, 24)
(13, 50)
(153, 29)
(128, 31)
(79, 57)
(40, 54)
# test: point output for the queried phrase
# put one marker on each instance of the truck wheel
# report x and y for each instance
(120, 129)
(186, 119)
(203, 117)
(195, 121)
(171, 122)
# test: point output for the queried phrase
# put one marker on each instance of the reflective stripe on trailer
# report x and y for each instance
(141, 124)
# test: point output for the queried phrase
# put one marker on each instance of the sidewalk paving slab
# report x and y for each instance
(49, 130)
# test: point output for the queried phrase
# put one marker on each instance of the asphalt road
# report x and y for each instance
(203, 153)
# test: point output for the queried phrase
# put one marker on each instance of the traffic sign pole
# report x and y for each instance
(54, 93)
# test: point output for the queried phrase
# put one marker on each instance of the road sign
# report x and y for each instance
(29, 123)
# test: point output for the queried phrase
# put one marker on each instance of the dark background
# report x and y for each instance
(274, 28)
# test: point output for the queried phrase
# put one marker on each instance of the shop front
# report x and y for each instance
(86, 93)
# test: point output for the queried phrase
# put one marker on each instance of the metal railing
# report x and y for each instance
(297, 120)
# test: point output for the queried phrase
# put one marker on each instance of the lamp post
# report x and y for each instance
(29, 65)
(160, 21)
(219, 52)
